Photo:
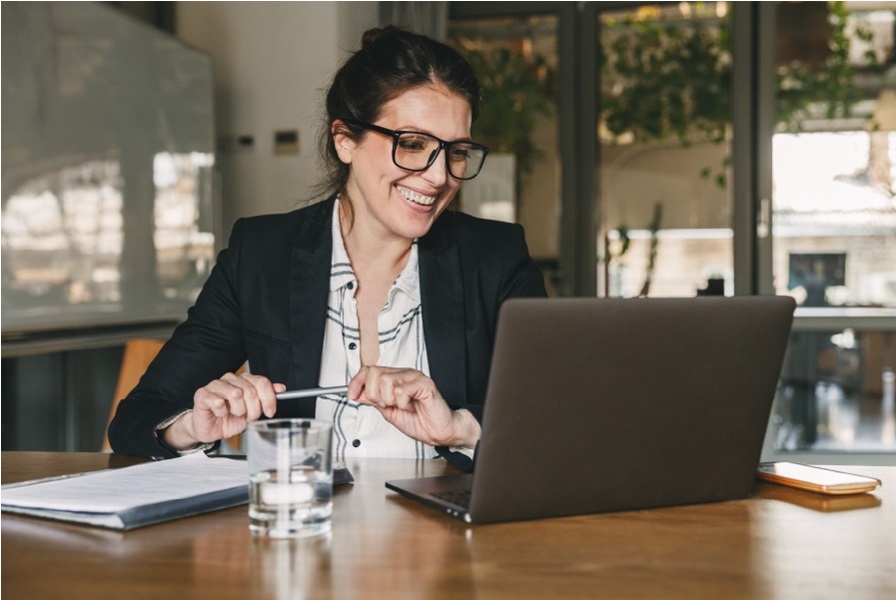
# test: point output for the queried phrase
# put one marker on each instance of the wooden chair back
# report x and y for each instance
(138, 353)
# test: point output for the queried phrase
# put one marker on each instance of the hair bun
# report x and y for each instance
(373, 35)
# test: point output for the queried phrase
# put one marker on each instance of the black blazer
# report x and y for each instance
(266, 302)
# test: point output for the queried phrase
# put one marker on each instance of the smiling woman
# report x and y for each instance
(422, 193)
(385, 291)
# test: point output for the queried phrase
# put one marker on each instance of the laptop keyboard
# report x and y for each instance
(458, 497)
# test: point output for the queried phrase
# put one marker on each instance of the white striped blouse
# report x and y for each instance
(360, 430)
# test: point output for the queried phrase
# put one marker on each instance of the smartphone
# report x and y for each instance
(816, 479)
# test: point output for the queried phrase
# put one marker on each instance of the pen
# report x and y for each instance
(309, 393)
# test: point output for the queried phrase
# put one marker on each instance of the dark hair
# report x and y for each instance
(391, 61)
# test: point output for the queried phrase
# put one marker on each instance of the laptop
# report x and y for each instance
(603, 405)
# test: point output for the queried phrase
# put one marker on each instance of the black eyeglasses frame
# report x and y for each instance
(443, 145)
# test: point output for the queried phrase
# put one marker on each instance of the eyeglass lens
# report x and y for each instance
(416, 151)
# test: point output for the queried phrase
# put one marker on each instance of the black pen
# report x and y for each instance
(310, 393)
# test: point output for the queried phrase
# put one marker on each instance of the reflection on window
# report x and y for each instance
(62, 237)
(64, 234)
(184, 252)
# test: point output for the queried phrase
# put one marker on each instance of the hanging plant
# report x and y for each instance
(673, 80)
(667, 82)
(516, 89)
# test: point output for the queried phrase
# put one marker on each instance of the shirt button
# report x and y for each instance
(352, 346)
(350, 285)
(356, 443)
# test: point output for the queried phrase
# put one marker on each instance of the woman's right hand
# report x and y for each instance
(223, 409)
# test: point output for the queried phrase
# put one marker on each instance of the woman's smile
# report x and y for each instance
(415, 197)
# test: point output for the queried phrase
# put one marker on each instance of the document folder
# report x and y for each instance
(134, 496)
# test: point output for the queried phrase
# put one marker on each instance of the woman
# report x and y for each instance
(376, 286)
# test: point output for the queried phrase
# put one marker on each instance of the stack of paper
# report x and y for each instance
(134, 496)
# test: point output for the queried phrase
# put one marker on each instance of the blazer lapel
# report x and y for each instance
(442, 296)
(309, 282)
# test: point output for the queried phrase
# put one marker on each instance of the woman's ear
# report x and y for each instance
(344, 144)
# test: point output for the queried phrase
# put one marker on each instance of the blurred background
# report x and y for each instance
(649, 149)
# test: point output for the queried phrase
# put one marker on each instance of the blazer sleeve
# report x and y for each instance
(206, 345)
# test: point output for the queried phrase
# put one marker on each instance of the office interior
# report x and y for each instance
(649, 149)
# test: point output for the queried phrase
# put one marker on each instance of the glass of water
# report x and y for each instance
(290, 477)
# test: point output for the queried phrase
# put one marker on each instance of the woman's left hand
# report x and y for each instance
(411, 402)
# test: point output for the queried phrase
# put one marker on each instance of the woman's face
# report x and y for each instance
(387, 200)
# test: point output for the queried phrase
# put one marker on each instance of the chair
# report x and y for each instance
(138, 353)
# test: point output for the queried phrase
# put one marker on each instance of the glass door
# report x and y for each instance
(516, 56)
(832, 212)
(665, 130)
(729, 164)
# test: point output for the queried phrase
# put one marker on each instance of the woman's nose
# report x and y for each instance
(437, 172)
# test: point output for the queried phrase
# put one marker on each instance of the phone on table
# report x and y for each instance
(816, 479)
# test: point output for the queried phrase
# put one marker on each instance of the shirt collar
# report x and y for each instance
(409, 279)
(341, 273)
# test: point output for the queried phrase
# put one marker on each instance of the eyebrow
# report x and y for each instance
(418, 130)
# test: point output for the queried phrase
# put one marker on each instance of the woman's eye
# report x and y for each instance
(459, 154)
(411, 144)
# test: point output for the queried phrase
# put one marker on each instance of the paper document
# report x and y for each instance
(134, 496)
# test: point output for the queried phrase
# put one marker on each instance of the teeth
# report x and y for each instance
(415, 197)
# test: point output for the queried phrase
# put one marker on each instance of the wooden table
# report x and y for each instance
(781, 543)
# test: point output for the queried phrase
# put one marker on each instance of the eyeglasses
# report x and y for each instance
(416, 151)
